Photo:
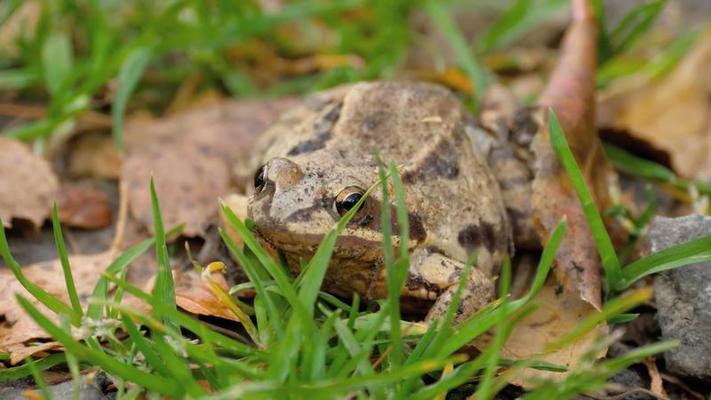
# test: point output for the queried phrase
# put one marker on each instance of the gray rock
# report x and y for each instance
(683, 297)
(89, 389)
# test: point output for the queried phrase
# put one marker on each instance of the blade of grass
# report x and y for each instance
(57, 60)
(610, 309)
(21, 371)
(37, 292)
(64, 260)
(37, 376)
(634, 25)
(613, 273)
(120, 264)
(163, 290)
(95, 357)
(692, 252)
(476, 72)
(128, 78)
(72, 362)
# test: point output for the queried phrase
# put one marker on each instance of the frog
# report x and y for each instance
(319, 159)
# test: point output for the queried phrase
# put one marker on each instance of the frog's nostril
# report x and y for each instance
(284, 173)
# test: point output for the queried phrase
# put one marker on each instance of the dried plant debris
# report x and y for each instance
(669, 114)
(82, 205)
(19, 333)
(570, 93)
(27, 184)
(190, 157)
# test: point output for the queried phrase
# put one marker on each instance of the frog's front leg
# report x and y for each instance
(434, 276)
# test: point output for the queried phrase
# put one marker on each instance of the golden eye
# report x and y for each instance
(348, 198)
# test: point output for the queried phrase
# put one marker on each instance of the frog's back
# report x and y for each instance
(454, 201)
(451, 193)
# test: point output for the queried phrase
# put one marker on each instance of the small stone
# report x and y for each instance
(89, 389)
(683, 297)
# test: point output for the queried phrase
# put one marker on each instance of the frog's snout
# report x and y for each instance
(284, 173)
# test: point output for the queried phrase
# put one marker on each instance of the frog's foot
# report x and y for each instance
(434, 276)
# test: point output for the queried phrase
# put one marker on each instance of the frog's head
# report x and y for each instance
(298, 200)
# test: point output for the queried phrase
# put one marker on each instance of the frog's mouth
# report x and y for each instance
(304, 245)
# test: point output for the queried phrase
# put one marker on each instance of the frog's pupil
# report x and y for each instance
(349, 202)
(259, 178)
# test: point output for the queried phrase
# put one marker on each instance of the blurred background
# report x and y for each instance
(68, 66)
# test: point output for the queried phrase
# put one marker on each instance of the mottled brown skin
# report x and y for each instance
(325, 146)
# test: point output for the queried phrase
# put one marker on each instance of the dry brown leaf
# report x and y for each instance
(94, 155)
(194, 295)
(83, 206)
(190, 157)
(672, 115)
(19, 330)
(559, 312)
(27, 184)
(570, 93)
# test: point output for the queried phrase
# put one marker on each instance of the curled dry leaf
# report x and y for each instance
(18, 332)
(194, 295)
(83, 206)
(27, 184)
(672, 114)
(559, 312)
(570, 93)
(190, 157)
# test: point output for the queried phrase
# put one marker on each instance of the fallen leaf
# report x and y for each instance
(94, 155)
(190, 157)
(570, 92)
(19, 330)
(672, 114)
(27, 184)
(558, 313)
(194, 295)
(83, 206)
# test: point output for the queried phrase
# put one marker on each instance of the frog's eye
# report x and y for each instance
(348, 198)
(260, 178)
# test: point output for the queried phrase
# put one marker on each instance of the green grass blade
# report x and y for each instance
(128, 78)
(276, 272)
(164, 289)
(610, 263)
(39, 380)
(185, 321)
(692, 252)
(21, 371)
(476, 72)
(37, 292)
(144, 347)
(252, 274)
(57, 60)
(635, 24)
(64, 260)
(72, 362)
(94, 311)
(544, 264)
(609, 310)
(95, 357)
(316, 270)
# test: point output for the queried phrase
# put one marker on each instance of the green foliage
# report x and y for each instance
(330, 346)
(616, 277)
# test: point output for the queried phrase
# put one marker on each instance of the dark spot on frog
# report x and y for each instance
(315, 143)
(441, 162)
(417, 229)
(475, 236)
(367, 219)
(322, 127)
(434, 250)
